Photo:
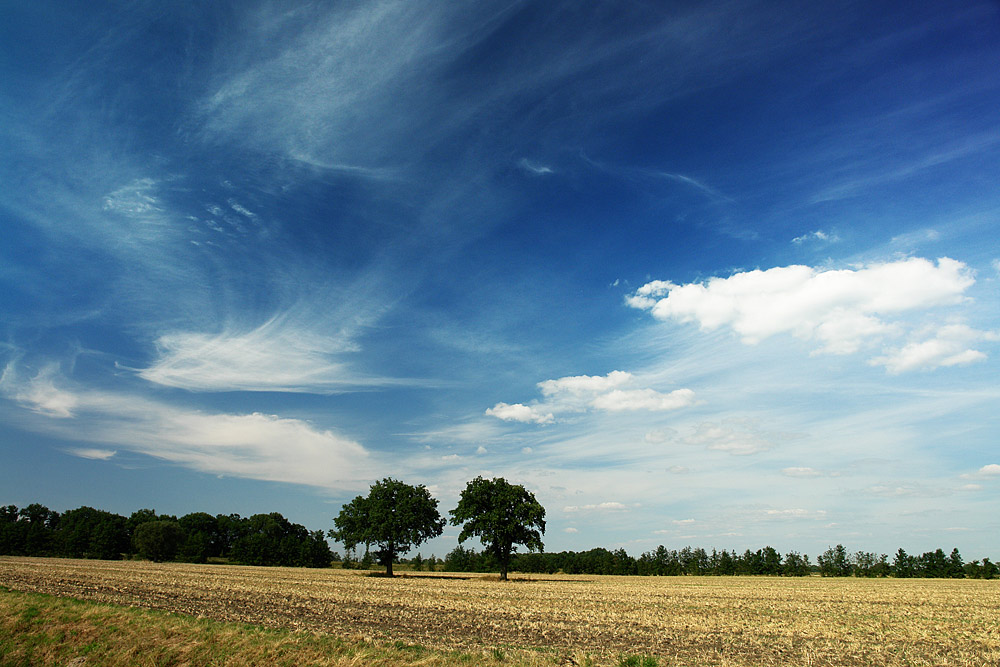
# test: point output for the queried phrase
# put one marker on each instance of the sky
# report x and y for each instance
(721, 274)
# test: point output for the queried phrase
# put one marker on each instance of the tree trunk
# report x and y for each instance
(388, 568)
(504, 562)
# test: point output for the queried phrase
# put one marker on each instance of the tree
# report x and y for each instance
(502, 515)
(200, 537)
(394, 517)
(158, 540)
(903, 565)
(89, 533)
(795, 565)
(834, 562)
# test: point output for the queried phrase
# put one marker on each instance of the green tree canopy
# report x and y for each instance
(501, 515)
(394, 517)
(158, 540)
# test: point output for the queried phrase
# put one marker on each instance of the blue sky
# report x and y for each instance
(720, 273)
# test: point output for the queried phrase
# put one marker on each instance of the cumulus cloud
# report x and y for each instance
(988, 470)
(254, 446)
(842, 310)
(520, 413)
(580, 385)
(579, 393)
(643, 399)
(948, 345)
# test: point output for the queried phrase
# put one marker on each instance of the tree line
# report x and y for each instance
(834, 562)
(395, 517)
(85, 532)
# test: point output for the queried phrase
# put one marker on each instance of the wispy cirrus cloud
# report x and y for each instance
(534, 168)
(737, 436)
(819, 235)
(801, 471)
(794, 513)
(606, 506)
(253, 446)
(93, 453)
(38, 393)
(279, 355)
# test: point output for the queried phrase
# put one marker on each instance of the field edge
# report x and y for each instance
(44, 629)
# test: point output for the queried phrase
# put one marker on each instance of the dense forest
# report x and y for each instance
(262, 539)
(270, 539)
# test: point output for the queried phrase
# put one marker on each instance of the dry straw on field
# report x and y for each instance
(684, 620)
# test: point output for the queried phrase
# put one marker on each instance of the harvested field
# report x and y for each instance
(683, 620)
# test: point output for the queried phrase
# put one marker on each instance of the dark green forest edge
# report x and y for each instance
(270, 539)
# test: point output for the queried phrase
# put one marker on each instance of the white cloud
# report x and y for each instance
(519, 413)
(96, 454)
(579, 393)
(905, 491)
(278, 355)
(610, 506)
(989, 470)
(800, 472)
(841, 309)
(818, 235)
(643, 399)
(39, 393)
(741, 437)
(682, 522)
(481, 450)
(947, 346)
(660, 436)
(133, 200)
(570, 530)
(797, 513)
(579, 385)
(533, 168)
(254, 446)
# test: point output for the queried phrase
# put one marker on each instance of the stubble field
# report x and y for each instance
(733, 621)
